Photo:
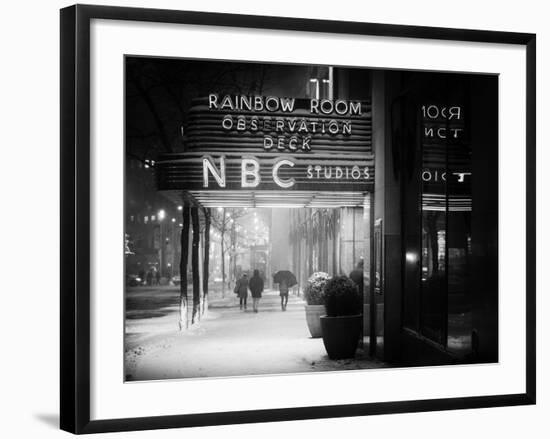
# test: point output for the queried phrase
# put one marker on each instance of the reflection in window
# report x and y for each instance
(445, 299)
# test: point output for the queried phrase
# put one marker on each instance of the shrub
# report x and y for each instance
(314, 288)
(342, 297)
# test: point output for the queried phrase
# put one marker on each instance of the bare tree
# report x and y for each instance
(195, 262)
(206, 260)
(222, 220)
(317, 228)
(183, 323)
(232, 251)
(334, 225)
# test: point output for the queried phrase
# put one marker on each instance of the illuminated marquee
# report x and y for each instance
(251, 177)
(273, 143)
(268, 115)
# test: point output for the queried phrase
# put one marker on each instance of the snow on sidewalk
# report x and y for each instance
(230, 342)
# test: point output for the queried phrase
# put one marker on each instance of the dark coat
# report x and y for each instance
(241, 288)
(283, 288)
(256, 286)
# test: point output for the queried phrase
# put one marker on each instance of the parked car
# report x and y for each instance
(133, 280)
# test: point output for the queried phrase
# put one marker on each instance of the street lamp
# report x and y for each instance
(161, 215)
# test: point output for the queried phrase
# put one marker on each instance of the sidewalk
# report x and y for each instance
(230, 342)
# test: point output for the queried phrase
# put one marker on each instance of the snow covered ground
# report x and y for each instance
(228, 342)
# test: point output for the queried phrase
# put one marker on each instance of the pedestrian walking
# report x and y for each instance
(241, 290)
(149, 278)
(285, 279)
(157, 277)
(256, 286)
(283, 292)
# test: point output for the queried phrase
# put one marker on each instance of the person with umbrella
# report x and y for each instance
(285, 279)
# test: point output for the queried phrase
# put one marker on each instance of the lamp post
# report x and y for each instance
(161, 215)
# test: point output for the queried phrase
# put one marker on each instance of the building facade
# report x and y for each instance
(391, 172)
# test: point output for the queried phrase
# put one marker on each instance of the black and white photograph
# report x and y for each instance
(284, 219)
(302, 219)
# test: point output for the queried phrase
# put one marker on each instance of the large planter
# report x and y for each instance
(341, 335)
(313, 313)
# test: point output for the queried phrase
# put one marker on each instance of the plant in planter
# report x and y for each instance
(315, 300)
(341, 327)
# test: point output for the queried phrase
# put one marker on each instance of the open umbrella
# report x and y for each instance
(282, 275)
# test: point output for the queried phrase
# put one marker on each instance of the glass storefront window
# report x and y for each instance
(449, 211)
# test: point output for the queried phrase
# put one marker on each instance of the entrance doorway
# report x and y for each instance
(305, 234)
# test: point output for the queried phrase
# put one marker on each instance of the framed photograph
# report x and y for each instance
(268, 218)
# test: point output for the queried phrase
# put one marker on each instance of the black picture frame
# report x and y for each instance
(75, 217)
